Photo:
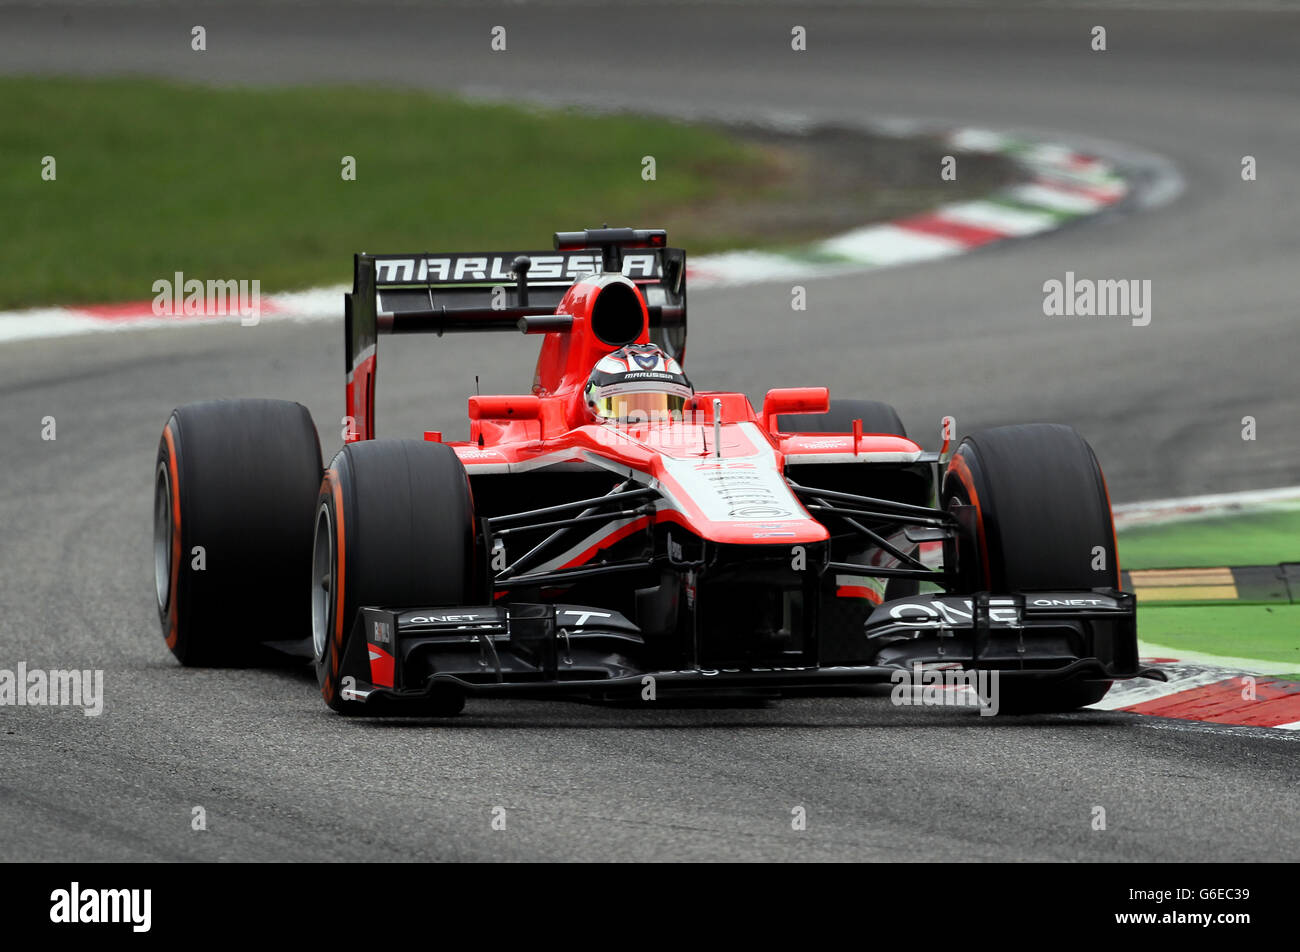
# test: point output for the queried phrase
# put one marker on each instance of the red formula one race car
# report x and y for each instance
(618, 531)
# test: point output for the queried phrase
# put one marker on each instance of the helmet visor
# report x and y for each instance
(639, 407)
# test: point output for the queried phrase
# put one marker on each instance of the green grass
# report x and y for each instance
(1266, 632)
(155, 177)
(1258, 538)
(1232, 629)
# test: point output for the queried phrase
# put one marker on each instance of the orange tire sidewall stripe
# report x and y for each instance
(340, 570)
(963, 473)
(1110, 514)
(173, 615)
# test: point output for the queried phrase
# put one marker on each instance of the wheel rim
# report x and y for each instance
(162, 537)
(322, 581)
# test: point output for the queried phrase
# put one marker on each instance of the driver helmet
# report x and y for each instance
(638, 383)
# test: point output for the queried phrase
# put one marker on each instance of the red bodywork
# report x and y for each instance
(735, 493)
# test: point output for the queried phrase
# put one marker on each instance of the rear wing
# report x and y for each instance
(499, 291)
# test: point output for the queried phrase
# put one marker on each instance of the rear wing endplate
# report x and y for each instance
(495, 291)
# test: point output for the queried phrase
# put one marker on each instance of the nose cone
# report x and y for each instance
(737, 496)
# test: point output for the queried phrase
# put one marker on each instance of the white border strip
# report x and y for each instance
(1164, 511)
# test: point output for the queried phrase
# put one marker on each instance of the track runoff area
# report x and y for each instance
(1218, 585)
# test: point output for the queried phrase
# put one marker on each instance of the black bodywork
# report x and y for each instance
(663, 607)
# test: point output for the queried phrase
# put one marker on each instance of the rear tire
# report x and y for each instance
(234, 482)
(1042, 512)
(400, 514)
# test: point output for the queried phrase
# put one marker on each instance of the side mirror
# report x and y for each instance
(509, 407)
(794, 400)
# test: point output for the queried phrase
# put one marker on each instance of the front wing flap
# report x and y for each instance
(527, 649)
(1081, 633)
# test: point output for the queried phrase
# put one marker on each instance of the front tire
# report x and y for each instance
(394, 527)
(1042, 520)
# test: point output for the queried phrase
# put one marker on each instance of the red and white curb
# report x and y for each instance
(1203, 687)
(1064, 185)
(313, 305)
(1207, 688)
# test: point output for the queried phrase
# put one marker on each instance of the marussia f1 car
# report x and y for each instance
(617, 532)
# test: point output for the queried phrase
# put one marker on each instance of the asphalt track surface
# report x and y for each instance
(283, 779)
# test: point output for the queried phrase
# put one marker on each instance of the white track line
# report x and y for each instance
(891, 245)
(1159, 511)
(1230, 664)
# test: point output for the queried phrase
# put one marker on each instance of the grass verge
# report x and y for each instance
(155, 177)
(1260, 538)
(1234, 630)
(1266, 632)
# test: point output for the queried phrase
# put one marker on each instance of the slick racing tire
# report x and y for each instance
(394, 525)
(234, 485)
(876, 417)
(1042, 520)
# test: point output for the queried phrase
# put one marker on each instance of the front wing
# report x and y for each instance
(540, 650)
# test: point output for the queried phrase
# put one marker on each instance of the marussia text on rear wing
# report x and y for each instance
(500, 291)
